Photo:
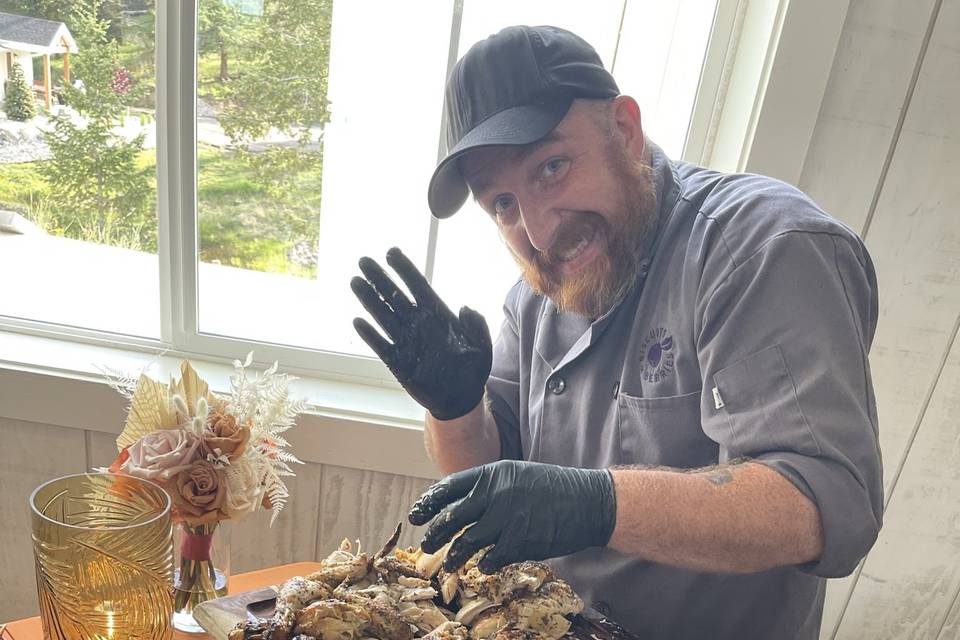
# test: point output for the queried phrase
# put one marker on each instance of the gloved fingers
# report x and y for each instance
(384, 286)
(381, 312)
(384, 350)
(481, 535)
(450, 521)
(475, 327)
(422, 292)
(509, 547)
(437, 496)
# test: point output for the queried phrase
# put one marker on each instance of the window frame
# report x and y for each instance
(743, 98)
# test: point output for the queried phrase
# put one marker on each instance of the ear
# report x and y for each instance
(626, 118)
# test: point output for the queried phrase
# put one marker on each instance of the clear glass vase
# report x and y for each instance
(202, 561)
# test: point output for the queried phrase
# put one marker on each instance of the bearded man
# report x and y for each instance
(678, 409)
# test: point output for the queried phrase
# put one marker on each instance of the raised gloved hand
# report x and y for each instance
(442, 360)
(530, 511)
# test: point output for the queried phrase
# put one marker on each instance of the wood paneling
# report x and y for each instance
(293, 537)
(101, 448)
(32, 454)
(914, 239)
(871, 74)
(910, 580)
(915, 242)
(367, 506)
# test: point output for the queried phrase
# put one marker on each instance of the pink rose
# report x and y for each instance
(161, 455)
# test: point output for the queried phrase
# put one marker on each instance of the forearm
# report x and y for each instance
(735, 519)
(464, 442)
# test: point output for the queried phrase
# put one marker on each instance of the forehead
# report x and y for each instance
(481, 167)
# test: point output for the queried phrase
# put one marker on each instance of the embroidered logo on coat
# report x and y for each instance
(657, 354)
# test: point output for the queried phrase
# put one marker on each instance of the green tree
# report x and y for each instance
(94, 171)
(284, 84)
(284, 87)
(19, 103)
(49, 9)
(220, 27)
(63, 10)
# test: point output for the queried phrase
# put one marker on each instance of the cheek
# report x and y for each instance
(515, 236)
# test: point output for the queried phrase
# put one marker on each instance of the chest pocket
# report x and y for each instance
(664, 431)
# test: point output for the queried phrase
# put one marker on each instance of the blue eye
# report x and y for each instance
(502, 203)
(552, 168)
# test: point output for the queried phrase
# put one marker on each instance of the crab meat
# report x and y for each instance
(543, 613)
(425, 615)
(385, 620)
(470, 608)
(340, 567)
(449, 585)
(332, 620)
(449, 631)
(508, 581)
(351, 618)
(516, 634)
(295, 594)
(489, 622)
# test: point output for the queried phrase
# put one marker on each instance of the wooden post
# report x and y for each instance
(66, 66)
(46, 80)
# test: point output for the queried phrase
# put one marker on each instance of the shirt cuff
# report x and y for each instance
(850, 515)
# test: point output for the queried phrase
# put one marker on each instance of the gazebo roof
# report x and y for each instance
(34, 35)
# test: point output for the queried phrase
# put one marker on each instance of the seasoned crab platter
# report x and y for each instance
(402, 594)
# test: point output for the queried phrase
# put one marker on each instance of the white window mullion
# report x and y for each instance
(717, 66)
(455, 24)
(166, 199)
(176, 149)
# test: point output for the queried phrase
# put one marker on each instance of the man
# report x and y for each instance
(679, 409)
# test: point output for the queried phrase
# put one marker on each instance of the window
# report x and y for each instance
(78, 228)
(288, 138)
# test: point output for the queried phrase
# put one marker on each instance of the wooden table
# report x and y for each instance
(29, 628)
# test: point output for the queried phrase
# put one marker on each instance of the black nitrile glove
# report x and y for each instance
(529, 510)
(441, 360)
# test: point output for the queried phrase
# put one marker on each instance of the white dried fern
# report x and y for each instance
(263, 401)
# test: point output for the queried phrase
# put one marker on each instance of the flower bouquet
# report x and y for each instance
(219, 457)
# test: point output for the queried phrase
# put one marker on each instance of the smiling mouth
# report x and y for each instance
(574, 251)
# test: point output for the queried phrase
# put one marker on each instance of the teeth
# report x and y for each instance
(573, 252)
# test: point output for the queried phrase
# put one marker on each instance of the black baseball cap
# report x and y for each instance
(512, 89)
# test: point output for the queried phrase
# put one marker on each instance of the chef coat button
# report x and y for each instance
(616, 388)
(602, 608)
(556, 386)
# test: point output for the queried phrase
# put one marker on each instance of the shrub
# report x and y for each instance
(19, 104)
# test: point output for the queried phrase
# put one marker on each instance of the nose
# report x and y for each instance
(540, 222)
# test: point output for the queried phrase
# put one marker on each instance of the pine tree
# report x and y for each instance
(19, 103)
(93, 170)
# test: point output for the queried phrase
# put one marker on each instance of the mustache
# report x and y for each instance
(585, 224)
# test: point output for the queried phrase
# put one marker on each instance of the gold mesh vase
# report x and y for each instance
(103, 549)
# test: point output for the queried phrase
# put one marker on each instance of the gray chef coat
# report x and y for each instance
(746, 336)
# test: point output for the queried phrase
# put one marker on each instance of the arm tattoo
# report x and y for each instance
(719, 476)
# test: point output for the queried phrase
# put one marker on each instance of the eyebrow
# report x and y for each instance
(482, 183)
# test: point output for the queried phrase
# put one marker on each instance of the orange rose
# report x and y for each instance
(224, 437)
(199, 494)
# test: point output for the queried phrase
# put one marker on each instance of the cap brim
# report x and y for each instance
(511, 127)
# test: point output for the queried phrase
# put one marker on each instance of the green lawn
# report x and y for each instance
(241, 223)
